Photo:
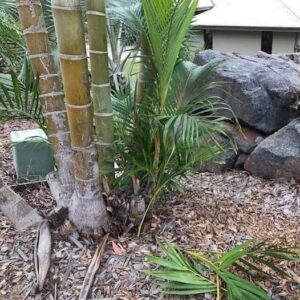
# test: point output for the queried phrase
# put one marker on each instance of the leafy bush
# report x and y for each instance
(193, 273)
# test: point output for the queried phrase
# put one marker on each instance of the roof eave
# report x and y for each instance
(247, 28)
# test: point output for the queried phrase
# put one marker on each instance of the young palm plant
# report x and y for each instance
(193, 273)
(162, 135)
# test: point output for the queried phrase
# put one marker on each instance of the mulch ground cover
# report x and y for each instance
(215, 213)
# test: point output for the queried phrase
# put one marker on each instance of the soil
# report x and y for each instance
(215, 212)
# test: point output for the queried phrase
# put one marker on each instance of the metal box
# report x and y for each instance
(32, 155)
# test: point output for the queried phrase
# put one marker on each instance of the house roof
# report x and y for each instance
(205, 5)
(249, 14)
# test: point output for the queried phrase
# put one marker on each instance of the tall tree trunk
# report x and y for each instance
(51, 95)
(96, 18)
(87, 209)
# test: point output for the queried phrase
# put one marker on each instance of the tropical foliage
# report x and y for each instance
(167, 124)
(9, 7)
(21, 98)
(173, 127)
(12, 48)
(192, 273)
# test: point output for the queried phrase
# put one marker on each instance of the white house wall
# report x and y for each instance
(284, 42)
(244, 42)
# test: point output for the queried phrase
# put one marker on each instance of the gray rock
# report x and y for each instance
(262, 92)
(278, 156)
(246, 138)
(239, 164)
(224, 161)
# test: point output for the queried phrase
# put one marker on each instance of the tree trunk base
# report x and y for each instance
(89, 215)
(61, 196)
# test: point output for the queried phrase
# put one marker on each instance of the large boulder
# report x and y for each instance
(278, 156)
(263, 92)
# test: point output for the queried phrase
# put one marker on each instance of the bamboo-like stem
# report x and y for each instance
(96, 17)
(51, 95)
(87, 210)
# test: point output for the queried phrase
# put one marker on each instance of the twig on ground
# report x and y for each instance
(93, 267)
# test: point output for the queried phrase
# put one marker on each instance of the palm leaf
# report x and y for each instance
(237, 288)
(12, 48)
(21, 98)
(167, 25)
(9, 7)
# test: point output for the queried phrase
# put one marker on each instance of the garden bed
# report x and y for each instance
(216, 212)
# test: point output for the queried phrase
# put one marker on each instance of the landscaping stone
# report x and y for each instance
(239, 164)
(262, 92)
(246, 138)
(224, 161)
(278, 156)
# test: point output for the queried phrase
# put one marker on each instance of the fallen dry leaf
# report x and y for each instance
(117, 249)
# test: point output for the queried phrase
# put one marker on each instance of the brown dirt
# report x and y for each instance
(216, 212)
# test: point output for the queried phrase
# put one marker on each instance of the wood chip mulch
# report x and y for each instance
(216, 212)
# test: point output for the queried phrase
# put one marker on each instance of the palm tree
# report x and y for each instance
(96, 18)
(173, 127)
(51, 97)
(87, 209)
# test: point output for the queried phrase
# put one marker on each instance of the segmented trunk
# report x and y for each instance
(87, 210)
(96, 18)
(51, 95)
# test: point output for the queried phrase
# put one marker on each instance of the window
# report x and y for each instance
(266, 41)
(208, 39)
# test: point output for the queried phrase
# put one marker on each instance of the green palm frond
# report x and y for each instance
(12, 48)
(183, 274)
(167, 25)
(128, 13)
(182, 277)
(238, 288)
(21, 98)
(9, 7)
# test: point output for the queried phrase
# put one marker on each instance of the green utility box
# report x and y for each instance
(32, 155)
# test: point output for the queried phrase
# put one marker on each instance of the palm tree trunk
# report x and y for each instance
(51, 96)
(87, 210)
(96, 18)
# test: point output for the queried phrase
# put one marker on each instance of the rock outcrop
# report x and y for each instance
(264, 95)
(263, 92)
(278, 156)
